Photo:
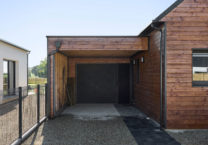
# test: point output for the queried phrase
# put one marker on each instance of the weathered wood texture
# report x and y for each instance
(51, 86)
(98, 43)
(187, 28)
(147, 90)
(61, 75)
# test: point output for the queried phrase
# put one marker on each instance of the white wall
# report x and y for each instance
(20, 57)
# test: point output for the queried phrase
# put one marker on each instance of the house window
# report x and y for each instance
(8, 77)
(200, 67)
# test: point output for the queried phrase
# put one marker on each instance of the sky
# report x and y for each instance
(26, 23)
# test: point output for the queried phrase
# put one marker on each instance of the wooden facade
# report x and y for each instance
(61, 75)
(85, 50)
(183, 105)
(162, 81)
(187, 28)
(147, 78)
(98, 43)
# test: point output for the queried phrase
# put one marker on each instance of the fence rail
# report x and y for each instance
(19, 117)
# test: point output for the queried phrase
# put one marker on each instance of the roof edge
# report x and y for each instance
(14, 45)
(142, 34)
(157, 20)
(168, 10)
(149, 29)
(90, 36)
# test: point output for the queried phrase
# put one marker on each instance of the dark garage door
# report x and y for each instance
(102, 83)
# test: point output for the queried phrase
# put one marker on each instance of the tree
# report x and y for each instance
(41, 69)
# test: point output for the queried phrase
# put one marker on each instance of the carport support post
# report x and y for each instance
(20, 112)
(46, 100)
(38, 103)
(131, 82)
(54, 91)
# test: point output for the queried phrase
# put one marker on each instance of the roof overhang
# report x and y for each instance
(99, 49)
(100, 53)
(97, 46)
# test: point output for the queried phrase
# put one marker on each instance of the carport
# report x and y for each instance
(91, 69)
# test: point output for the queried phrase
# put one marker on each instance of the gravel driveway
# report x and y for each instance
(101, 124)
(84, 125)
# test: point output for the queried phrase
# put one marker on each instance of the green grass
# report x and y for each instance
(36, 80)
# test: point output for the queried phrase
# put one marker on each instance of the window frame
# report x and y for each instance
(8, 79)
(198, 83)
(7, 63)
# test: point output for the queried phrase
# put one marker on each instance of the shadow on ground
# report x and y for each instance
(144, 130)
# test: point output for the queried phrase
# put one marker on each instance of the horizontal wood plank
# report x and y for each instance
(187, 28)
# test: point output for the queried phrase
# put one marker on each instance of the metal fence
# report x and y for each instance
(22, 114)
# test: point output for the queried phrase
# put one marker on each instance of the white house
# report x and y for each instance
(13, 69)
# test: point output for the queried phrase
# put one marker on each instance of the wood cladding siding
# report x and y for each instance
(147, 89)
(187, 28)
(51, 86)
(61, 75)
(99, 43)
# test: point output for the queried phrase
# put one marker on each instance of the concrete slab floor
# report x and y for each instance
(92, 111)
(100, 124)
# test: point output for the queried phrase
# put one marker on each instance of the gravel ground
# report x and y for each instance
(66, 130)
(106, 124)
(9, 115)
(191, 137)
(92, 124)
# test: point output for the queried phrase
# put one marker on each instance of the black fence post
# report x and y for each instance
(38, 103)
(46, 100)
(20, 112)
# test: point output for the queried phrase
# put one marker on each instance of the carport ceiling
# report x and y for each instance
(100, 53)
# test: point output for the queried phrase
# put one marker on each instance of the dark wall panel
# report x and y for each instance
(103, 83)
(124, 83)
(97, 83)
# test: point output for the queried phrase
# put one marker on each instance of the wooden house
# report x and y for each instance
(163, 70)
